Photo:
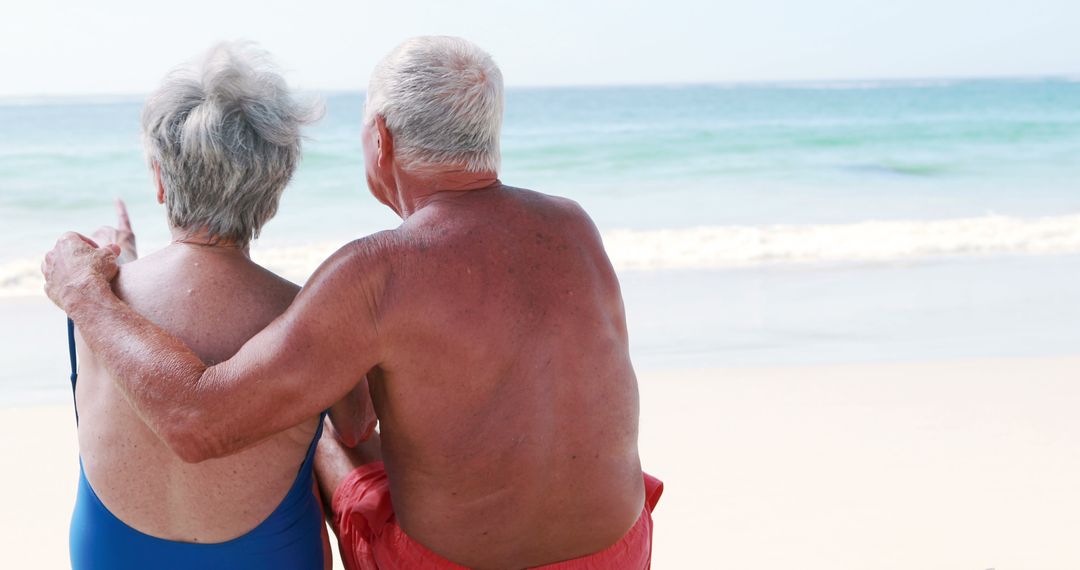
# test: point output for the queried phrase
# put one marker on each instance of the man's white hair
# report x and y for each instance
(225, 132)
(442, 99)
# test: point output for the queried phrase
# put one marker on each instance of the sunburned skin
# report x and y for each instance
(505, 393)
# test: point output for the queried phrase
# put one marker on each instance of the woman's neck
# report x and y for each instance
(200, 238)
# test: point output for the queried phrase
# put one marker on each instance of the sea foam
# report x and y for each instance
(869, 241)
(722, 247)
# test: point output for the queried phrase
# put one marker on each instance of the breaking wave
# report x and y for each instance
(719, 247)
(870, 241)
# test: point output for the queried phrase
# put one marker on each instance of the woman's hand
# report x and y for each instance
(122, 235)
(353, 417)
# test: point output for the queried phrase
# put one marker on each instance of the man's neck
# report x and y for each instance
(418, 189)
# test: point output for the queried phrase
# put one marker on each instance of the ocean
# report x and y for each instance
(751, 224)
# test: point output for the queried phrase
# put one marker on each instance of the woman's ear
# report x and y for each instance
(159, 184)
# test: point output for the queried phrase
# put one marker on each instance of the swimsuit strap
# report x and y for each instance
(309, 458)
(74, 365)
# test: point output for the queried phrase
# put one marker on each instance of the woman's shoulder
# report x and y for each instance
(279, 290)
(212, 304)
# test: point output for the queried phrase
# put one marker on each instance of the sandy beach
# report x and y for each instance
(848, 262)
(966, 464)
(951, 464)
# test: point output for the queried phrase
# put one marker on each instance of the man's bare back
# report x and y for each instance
(507, 403)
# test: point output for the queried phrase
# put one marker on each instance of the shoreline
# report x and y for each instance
(948, 309)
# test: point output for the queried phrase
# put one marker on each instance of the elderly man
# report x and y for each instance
(490, 327)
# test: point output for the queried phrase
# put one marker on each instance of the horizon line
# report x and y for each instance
(1065, 76)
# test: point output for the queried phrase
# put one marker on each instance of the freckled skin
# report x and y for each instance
(213, 300)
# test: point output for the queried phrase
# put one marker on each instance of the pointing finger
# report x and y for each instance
(124, 222)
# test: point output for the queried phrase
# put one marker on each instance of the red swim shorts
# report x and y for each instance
(370, 538)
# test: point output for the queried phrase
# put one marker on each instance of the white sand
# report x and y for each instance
(901, 466)
(938, 465)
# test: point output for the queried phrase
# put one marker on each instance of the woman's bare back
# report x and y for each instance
(215, 299)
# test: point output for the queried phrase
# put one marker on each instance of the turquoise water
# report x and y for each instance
(804, 154)
(636, 157)
(751, 224)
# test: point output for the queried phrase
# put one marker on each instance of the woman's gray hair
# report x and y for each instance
(442, 99)
(225, 132)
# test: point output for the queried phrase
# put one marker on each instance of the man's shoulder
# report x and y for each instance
(541, 199)
(363, 259)
(569, 209)
(467, 225)
(561, 212)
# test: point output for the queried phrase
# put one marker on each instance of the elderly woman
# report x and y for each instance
(223, 139)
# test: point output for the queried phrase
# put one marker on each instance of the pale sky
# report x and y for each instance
(68, 47)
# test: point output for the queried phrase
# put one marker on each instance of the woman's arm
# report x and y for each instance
(353, 417)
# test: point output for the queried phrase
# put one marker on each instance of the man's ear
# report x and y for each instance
(385, 142)
(160, 185)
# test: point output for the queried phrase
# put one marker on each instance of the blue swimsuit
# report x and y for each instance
(290, 538)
